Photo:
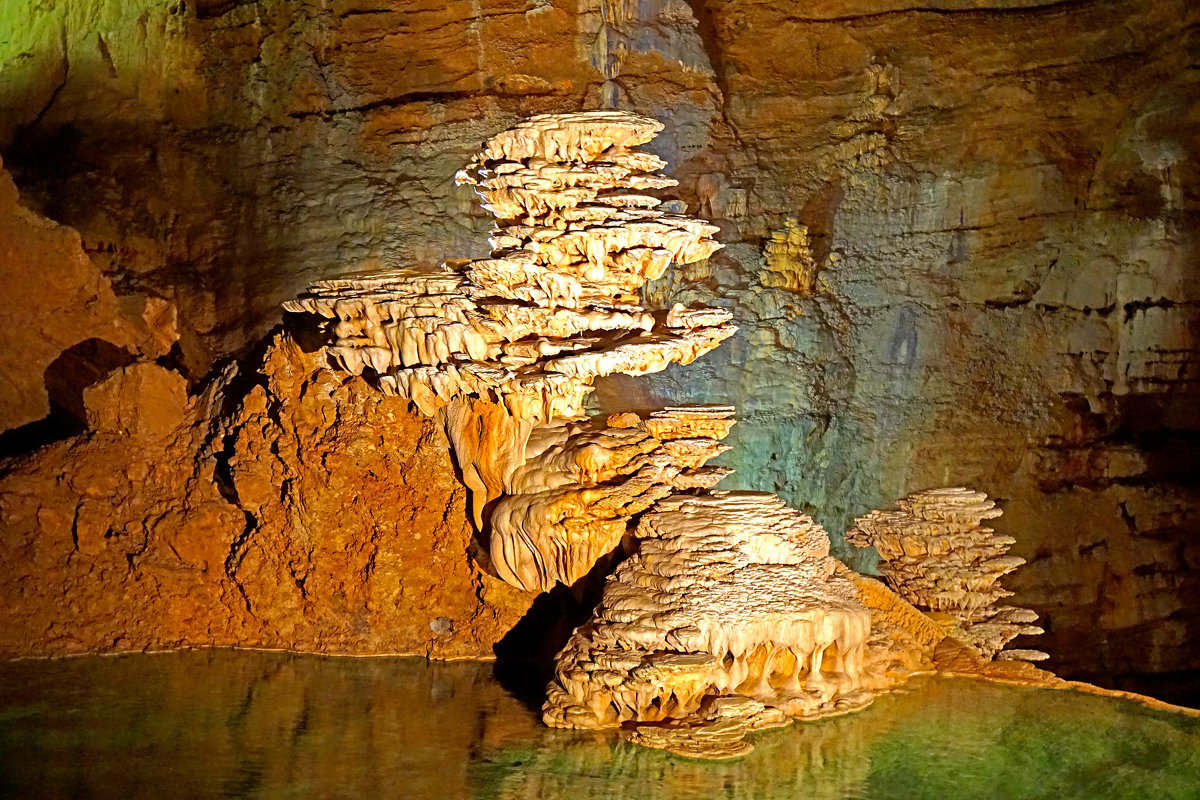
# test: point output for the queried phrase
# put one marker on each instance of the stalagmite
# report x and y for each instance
(936, 555)
(730, 594)
(505, 349)
(729, 614)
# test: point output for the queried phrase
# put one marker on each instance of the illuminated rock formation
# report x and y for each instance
(504, 350)
(729, 615)
(570, 501)
(732, 612)
(787, 260)
(936, 555)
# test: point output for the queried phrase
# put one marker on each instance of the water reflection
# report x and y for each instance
(270, 725)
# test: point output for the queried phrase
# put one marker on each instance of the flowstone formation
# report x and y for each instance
(729, 615)
(938, 556)
(504, 350)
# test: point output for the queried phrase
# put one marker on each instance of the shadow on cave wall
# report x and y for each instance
(75, 369)
(525, 656)
(165, 184)
(162, 197)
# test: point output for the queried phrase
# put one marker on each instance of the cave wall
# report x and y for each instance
(276, 507)
(960, 234)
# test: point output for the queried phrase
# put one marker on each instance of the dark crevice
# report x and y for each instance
(525, 656)
(239, 378)
(211, 9)
(66, 73)
(109, 64)
(1181, 687)
(1006, 303)
(223, 479)
(368, 12)
(1135, 306)
(986, 11)
(392, 102)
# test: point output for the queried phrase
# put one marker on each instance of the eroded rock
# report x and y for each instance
(939, 557)
(280, 507)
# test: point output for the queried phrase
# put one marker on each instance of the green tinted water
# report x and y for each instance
(269, 725)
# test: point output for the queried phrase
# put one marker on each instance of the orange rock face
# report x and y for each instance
(36, 253)
(277, 508)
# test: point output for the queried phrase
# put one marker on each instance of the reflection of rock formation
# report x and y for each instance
(937, 556)
(280, 725)
(826, 761)
(505, 349)
(255, 723)
(727, 595)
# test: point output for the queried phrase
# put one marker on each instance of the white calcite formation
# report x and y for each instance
(504, 350)
(570, 501)
(729, 614)
(729, 595)
(937, 555)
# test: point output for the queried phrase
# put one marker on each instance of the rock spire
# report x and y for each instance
(938, 556)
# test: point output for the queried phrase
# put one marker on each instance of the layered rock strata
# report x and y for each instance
(936, 554)
(504, 350)
(731, 609)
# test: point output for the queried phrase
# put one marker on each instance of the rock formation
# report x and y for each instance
(938, 557)
(996, 194)
(582, 482)
(63, 321)
(730, 614)
(731, 609)
(280, 507)
(505, 350)
(787, 260)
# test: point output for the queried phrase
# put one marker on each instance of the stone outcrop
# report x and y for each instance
(279, 507)
(61, 319)
(937, 556)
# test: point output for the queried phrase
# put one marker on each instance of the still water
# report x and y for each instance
(269, 725)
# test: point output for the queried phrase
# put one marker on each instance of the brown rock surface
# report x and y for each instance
(54, 298)
(277, 508)
(63, 324)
